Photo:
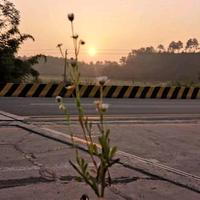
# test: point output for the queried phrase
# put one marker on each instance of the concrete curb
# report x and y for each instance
(52, 90)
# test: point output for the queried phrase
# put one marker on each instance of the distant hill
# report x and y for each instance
(140, 67)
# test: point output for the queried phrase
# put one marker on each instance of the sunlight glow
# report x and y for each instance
(92, 51)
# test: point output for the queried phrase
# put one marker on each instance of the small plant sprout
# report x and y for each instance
(102, 155)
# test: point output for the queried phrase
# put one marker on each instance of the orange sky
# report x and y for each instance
(113, 27)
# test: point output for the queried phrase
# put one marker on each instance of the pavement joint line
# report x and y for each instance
(167, 173)
(120, 119)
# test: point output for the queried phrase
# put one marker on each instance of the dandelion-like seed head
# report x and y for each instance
(71, 17)
(102, 80)
(59, 99)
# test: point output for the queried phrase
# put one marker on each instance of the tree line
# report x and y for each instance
(174, 62)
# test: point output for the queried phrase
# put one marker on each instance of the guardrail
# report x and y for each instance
(52, 90)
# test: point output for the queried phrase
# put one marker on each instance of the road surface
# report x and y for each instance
(144, 107)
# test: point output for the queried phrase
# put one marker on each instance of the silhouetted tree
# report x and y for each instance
(175, 46)
(150, 50)
(122, 60)
(179, 45)
(161, 48)
(12, 68)
(192, 44)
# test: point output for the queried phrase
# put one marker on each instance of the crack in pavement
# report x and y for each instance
(22, 182)
(45, 173)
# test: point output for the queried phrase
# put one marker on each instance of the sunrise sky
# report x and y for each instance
(110, 27)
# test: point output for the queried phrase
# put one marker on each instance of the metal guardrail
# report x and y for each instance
(52, 90)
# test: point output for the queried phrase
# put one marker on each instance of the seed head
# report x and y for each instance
(71, 17)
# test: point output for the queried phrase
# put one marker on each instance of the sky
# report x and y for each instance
(110, 27)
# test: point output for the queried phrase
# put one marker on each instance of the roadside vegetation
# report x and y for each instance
(176, 64)
(12, 68)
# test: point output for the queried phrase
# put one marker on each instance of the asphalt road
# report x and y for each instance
(174, 144)
(47, 106)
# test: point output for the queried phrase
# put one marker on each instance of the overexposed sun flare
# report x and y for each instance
(92, 51)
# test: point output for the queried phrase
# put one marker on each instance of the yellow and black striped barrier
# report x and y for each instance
(52, 90)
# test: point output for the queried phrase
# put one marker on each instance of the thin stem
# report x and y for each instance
(61, 52)
(74, 42)
(100, 112)
(65, 68)
(103, 183)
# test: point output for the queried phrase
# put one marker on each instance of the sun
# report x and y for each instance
(92, 51)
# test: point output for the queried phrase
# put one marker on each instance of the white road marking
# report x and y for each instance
(119, 105)
(55, 104)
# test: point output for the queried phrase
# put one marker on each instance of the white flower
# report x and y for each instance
(102, 80)
(104, 107)
(59, 99)
(62, 107)
(70, 87)
(97, 103)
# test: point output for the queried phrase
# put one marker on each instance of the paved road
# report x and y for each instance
(47, 106)
(35, 167)
(173, 144)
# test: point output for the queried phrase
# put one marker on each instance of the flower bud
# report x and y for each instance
(59, 99)
(71, 17)
(102, 80)
(73, 62)
(82, 42)
(75, 36)
(59, 45)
